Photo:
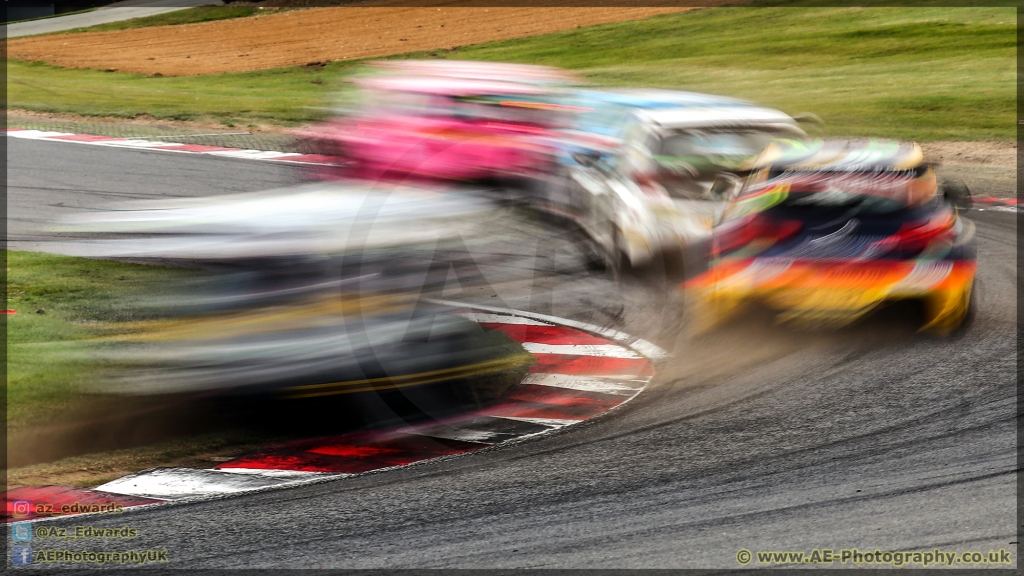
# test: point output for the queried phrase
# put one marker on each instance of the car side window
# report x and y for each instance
(603, 118)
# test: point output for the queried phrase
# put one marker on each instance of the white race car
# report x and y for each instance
(670, 176)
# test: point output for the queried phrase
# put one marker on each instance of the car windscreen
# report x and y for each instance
(714, 144)
(813, 194)
(837, 201)
(874, 191)
(775, 172)
(812, 206)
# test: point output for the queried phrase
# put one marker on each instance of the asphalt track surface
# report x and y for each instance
(113, 13)
(751, 438)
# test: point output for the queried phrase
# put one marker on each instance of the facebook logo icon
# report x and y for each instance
(21, 555)
(21, 532)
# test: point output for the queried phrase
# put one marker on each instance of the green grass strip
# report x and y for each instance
(185, 16)
(920, 73)
(59, 302)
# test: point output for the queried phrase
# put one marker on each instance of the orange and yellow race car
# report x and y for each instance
(824, 231)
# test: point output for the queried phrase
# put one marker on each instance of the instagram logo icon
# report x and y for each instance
(21, 508)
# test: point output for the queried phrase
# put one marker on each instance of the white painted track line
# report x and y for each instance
(552, 422)
(503, 319)
(175, 483)
(646, 348)
(598, 350)
(585, 384)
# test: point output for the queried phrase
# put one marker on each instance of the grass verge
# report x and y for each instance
(285, 97)
(59, 302)
(186, 16)
(90, 470)
(922, 73)
(58, 434)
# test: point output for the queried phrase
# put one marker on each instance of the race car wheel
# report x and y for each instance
(949, 315)
(956, 193)
(972, 308)
(702, 313)
(516, 191)
(593, 257)
(615, 258)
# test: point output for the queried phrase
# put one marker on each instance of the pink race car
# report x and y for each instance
(437, 124)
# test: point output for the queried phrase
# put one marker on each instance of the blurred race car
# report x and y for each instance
(287, 225)
(310, 291)
(329, 345)
(826, 230)
(448, 120)
(666, 175)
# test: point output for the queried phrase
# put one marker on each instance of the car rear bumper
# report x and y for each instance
(835, 293)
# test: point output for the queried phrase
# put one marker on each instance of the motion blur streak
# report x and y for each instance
(309, 292)
(448, 120)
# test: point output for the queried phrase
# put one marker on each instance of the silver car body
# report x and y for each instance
(317, 219)
(626, 209)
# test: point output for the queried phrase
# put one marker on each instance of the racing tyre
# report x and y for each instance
(514, 193)
(947, 318)
(616, 262)
(969, 315)
(592, 256)
(957, 193)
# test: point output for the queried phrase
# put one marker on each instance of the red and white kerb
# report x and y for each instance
(581, 371)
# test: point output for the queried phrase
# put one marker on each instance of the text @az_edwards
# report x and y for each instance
(24, 532)
(24, 508)
(822, 556)
(76, 532)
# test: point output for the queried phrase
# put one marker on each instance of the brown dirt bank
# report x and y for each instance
(303, 36)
